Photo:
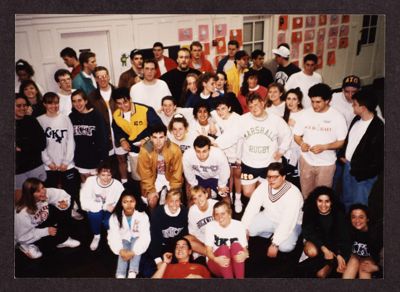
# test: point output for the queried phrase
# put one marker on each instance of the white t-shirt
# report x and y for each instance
(321, 128)
(198, 220)
(65, 103)
(356, 133)
(340, 103)
(294, 152)
(161, 65)
(300, 79)
(186, 143)
(279, 110)
(216, 235)
(150, 95)
(228, 65)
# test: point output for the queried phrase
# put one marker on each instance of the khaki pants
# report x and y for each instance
(314, 176)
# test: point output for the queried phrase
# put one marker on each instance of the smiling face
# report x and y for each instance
(182, 251)
(168, 107)
(20, 108)
(292, 102)
(359, 219)
(79, 103)
(179, 131)
(128, 205)
(105, 176)
(30, 92)
(173, 203)
(324, 204)
(200, 199)
(103, 79)
(52, 107)
(191, 84)
(274, 95)
(40, 194)
(256, 108)
(202, 116)
(222, 215)
(223, 111)
(123, 104)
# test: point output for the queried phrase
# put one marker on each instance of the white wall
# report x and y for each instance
(39, 39)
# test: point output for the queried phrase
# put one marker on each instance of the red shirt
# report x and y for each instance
(262, 91)
(182, 270)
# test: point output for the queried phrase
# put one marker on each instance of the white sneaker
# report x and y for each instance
(76, 215)
(131, 275)
(31, 251)
(95, 243)
(238, 205)
(120, 276)
(71, 243)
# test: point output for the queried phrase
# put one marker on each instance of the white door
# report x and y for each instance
(96, 41)
(368, 61)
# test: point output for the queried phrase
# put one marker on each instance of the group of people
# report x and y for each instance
(268, 142)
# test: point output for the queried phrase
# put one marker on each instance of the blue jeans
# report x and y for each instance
(96, 219)
(132, 264)
(264, 227)
(355, 191)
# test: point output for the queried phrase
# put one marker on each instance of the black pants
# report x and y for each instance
(69, 180)
(59, 219)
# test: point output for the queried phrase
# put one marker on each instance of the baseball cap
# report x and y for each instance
(241, 54)
(282, 51)
(351, 80)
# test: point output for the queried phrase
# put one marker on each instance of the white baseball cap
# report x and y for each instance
(282, 51)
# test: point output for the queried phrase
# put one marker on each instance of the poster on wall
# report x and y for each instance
(221, 45)
(321, 35)
(333, 31)
(308, 48)
(185, 34)
(237, 35)
(320, 49)
(309, 35)
(217, 59)
(345, 18)
(334, 19)
(203, 33)
(281, 38)
(331, 58)
(294, 52)
(322, 19)
(297, 22)
(283, 22)
(332, 43)
(343, 43)
(297, 37)
(206, 48)
(344, 31)
(320, 62)
(310, 21)
(220, 30)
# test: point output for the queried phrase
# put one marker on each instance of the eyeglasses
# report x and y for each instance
(102, 77)
(65, 80)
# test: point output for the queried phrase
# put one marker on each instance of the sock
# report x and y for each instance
(237, 196)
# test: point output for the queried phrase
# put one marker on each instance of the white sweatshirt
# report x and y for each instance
(60, 143)
(25, 230)
(140, 228)
(198, 220)
(261, 138)
(95, 197)
(216, 166)
(286, 211)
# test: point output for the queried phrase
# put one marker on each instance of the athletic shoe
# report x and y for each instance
(76, 215)
(71, 243)
(238, 205)
(95, 243)
(31, 251)
(120, 276)
(131, 275)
